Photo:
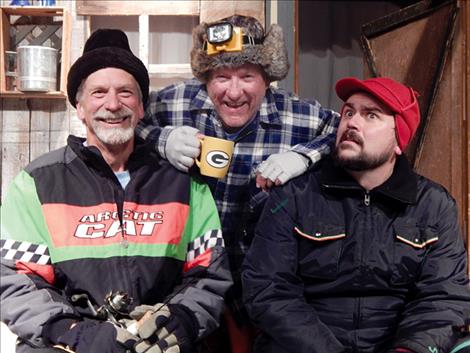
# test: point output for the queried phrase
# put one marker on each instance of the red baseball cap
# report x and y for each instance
(400, 99)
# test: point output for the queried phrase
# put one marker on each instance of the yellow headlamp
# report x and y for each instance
(225, 37)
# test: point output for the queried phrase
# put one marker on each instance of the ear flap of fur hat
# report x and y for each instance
(271, 55)
(274, 58)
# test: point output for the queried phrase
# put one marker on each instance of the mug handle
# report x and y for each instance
(198, 162)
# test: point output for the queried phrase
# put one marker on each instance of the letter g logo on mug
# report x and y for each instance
(215, 157)
(218, 159)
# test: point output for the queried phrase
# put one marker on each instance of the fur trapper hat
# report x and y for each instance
(107, 48)
(271, 54)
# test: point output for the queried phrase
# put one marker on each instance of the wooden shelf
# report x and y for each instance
(40, 20)
(170, 69)
(26, 95)
(129, 8)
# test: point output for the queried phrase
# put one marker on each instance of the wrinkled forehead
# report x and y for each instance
(366, 101)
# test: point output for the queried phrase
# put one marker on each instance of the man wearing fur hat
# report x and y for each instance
(362, 254)
(277, 135)
(103, 231)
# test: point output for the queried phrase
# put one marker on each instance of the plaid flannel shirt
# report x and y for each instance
(284, 122)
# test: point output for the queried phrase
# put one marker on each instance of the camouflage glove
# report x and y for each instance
(168, 328)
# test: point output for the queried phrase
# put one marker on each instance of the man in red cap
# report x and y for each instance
(362, 254)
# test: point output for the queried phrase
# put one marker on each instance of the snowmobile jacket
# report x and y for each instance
(69, 228)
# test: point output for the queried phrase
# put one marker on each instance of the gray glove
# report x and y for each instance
(182, 147)
(283, 166)
(165, 328)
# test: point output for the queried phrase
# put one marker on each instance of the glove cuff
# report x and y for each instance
(56, 327)
(163, 139)
(187, 318)
(303, 158)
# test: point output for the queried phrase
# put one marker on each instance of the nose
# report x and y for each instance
(234, 90)
(112, 102)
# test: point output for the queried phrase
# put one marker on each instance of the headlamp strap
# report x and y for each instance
(247, 39)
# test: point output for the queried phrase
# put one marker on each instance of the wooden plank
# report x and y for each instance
(21, 33)
(66, 51)
(214, 10)
(15, 139)
(45, 34)
(135, 8)
(4, 45)
(176, 69)
(59, 124)
(454, 72)
(33, 10)
(144, 39)
(39, 127)
(465, 25)
(1, 149)
(25, 95)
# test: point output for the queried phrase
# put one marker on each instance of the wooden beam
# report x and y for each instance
(4, 45)
(144, 39)
(465, 25)
(65, 51)
(213, 10)
(176, 69)
(25, 95)
(136, 8)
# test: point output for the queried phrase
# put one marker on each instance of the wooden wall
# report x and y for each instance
(31, 127)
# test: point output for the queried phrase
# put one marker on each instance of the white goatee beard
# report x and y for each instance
(113, 135)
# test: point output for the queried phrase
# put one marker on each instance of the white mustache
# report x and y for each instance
(103, 114)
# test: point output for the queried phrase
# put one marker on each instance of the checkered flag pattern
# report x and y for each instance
(210, 239)
(24, 252)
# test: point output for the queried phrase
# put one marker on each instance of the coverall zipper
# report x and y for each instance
(367, 198)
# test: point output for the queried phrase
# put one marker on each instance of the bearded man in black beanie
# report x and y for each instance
(105, 246)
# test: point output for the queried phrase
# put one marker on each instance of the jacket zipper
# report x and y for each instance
(367, 198)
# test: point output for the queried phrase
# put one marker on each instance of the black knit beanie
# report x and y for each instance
(107, 48)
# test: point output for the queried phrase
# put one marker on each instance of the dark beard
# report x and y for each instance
(362, 162)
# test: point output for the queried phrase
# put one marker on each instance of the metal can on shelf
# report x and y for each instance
(37, 68)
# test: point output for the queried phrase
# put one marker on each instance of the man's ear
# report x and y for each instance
(80, 113)
(141, 111)
(398, 150)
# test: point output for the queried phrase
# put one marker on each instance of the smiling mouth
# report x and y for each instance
(113, 121)
(234, 105)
